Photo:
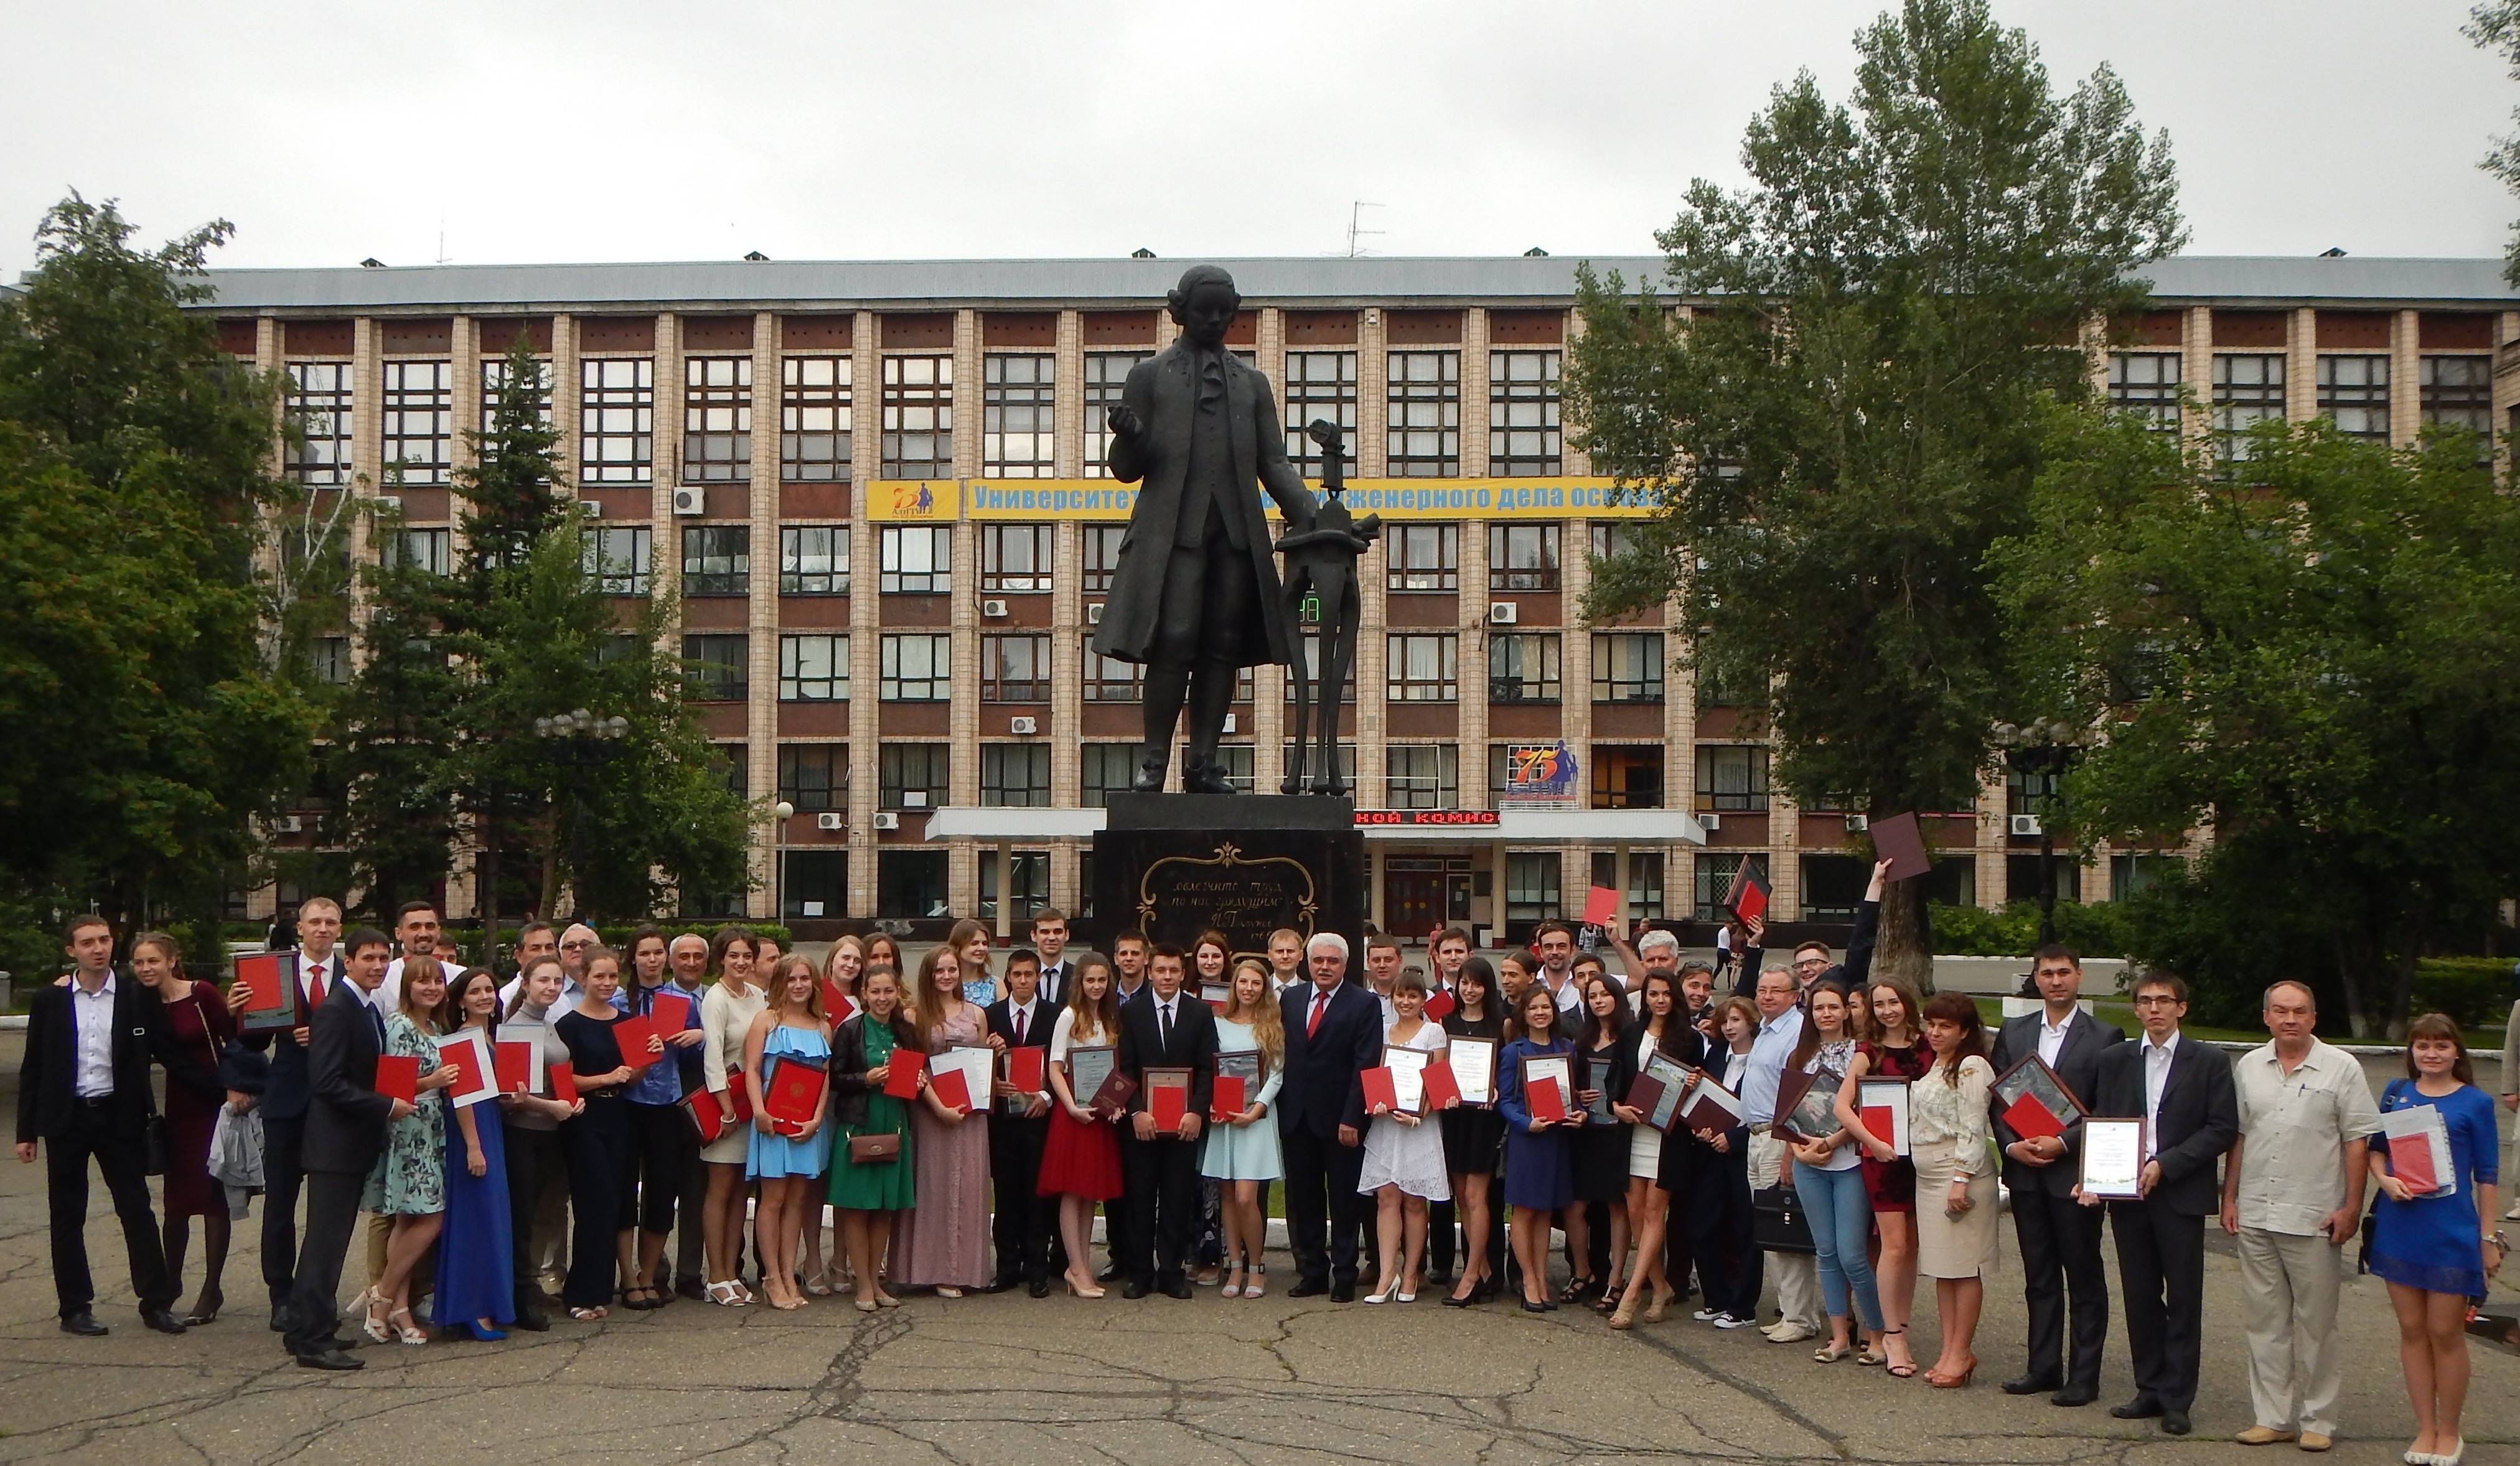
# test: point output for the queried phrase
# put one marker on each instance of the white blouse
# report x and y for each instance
(1939, 1110)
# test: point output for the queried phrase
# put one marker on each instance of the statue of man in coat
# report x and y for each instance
(1194, 596)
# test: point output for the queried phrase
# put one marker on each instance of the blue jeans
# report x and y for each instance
(1841, 1223)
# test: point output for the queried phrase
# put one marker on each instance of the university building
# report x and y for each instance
(877, 490)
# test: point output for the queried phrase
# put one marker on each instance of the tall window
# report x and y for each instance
(918, 440)
(1715, 876)
(1105, 373)
(1522, 557)
(717, 420)
(813, 667)
(1610, 539)
(1014, 776)
(1103, 556)
(1627, 666)
(2458, 390)
(618, 557)
(1424, 556)
(814, 559)
(494, 379)
(1644, 879)
(419, 421)
(1027, 883)
(916, 667)
(424, 549)
(319, 406)
(1319, 384)
(1015, 668)
(2145, 385)
(917, 559)
(814, 777)
(616, 407)
(2247, 390)
(1107, 678)
(715, 666)
(814, 419)
(1424, 437)
(1530, 885)
(1523, 667)
(328, 659)
(1108, 768)
(1015, 556)
(913, 775)
(1523, 433)
(1422, 775)
(1424, 667)
(2353, 390)
(1015, 416)
(1626, 776)
(1345, 754)
(1732, 776)
(730, 762)
(717, 559)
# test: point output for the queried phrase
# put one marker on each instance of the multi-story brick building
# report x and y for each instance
(877, 491)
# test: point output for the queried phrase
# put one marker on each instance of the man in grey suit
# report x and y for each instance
(1194, 596)
(2061, 1238)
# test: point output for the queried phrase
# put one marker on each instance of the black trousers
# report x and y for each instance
(1024, 1222)
(123, 1161)
(283, 1141)
(597, 1145)
(2061, 1254)
(1443, 1240)
(1717, 1200)
(1321, 1179)
(533, 1161)
(690, 1258)
(2160, 1265)
(315, 1297)
(654, 1180)
(1161, 1178)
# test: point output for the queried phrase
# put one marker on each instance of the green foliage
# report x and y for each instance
(2496, 26)
(2102, 929)
(2475, 992)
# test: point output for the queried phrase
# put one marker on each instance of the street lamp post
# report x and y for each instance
(2042, 747)
(778, 860)
(580, 742)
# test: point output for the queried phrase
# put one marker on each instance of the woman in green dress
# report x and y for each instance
(868, 1193)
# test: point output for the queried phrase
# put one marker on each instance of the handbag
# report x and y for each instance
(1779, 1222)
(875, 1150)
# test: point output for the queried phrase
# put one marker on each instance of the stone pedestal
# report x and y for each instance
(1174, 864)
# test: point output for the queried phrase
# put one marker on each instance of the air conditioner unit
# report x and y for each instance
(1024, 725)
(1502, 613)
(993, 608)
(1859, 824)
(827, 821)
(1710, 822)
(2026, 825)
(288, 825)
(386, 504)
(1094, 615)
(887, 820)
(913, 799)
(691, 500)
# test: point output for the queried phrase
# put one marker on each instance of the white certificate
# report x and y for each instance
(1473, 1062)
(1408, 1068)
(2113, 1159)
(980, 1068)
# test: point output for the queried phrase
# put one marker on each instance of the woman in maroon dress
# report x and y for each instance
(204, 1025)
(1893, 1051)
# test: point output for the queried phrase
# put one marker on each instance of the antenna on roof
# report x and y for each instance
(1356, 229)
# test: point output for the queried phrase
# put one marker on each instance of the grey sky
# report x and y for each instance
(635, 129)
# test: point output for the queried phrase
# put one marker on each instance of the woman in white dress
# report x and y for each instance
(1403, 1167)
(1955, 1199)
(726, 1011)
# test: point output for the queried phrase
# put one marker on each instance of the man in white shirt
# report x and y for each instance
(1555, 943)
(2292, 1194)
(1287, 960)
(416, 932)
(1780, 1028)
(1128, 964)
(1383, 969)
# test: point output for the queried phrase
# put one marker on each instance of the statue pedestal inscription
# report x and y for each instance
(1174, 864)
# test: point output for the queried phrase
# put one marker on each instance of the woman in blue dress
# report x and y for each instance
(1240, 1154)
(476, 1258)
(2435, 1251)
(1539, 1154)
(785, 1157)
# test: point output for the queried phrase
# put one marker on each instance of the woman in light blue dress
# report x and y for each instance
(1241, 1154)
(784, 1157)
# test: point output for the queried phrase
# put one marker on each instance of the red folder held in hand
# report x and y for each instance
(632, 1035)
(260, 976)
(513, 1065)
(2411, 1160)
(1442, 1088)
(1749, 894)
(836, 1006)
(1225, 1098)
(947, 1085)
(1380, 1091)
(1546, 1101)
(563, 1081)
(2029, 1119)
(794, 1096)
(1439, 1005)
(671, 1012)
(398, 1077)
(901, 1074)
(1024, 1064)
(1601, 905)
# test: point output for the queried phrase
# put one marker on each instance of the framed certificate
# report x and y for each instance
(979, 1068)
(1408, 1068)
(1884, 1105)
(2031, 1100)
(1814, 1115)
(1555, 1073)
(1167, 1098)
(2113, 1159)
(1216, 994)
(1089, 1068)
(1242, 1064)
(1473, 1062)
(1597, 1079)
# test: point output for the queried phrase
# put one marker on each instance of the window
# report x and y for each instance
(912, 775)
(814, 419)
(2021, 878)
(1523, 667)
(1833, 886)
(715, 667)
(1715, 876)
(1424, 556)
(1522, 557)
(424, 549)
(1530, 885)
(814, 667)
(1103, 556)
(616, 408)
(1312, 765)
(1015, 416)
(1105, 373)
(814, 777)
(319, 407)
(813, 884)
(1644, 879)
(916, 668)
(1319, 384)
(814, 559)
(717, 420)
(731, 763)
(1611, 541)
(717, 559)
(419, 419)
(1523, 434)
(1016, 557)
(1627, 666)
(1015, 668)
(1423, 439)
(2030, 793)
(617, 647)
(1106, 770)
(494, 379)
(2145, 385)
(328, 659)
(1028, 879)
(2247, 390)
(2131, 875)
(1422, 775)
(1732, 776)
(1422, 668)
(917, 559)
(910, 883)
(617, 557)
(1107, 678)
(1014, 776)
(1626, 776)
(2353, 390)
(918, 440)
(2459, 392)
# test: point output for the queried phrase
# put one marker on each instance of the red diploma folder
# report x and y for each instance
(398, 1077)
(1439, 1005)
(515, 1064)
(950, 1091)
(711, 1119)
(632, 1035)
(564, 1082)
(1601, 905)
(1545, 1101)
(1224, 1099)
(671, 1012)
(1024, 1063)
(1167, 1105)
(2029, 1119)
(1442, 1089)
(901, 1074)
(463, 1049)
(794, 1096)
(2411, 1160)
(1380, 1093)
(260, 976)
(835, 1007)
(1749, 894)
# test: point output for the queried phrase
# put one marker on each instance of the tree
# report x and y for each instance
(2496, 26)
(395, 729)
(2310, 650)
(1838, 434)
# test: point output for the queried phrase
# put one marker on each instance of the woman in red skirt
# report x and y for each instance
(204, 1024)
(1080, 1162)
(1890, 1180)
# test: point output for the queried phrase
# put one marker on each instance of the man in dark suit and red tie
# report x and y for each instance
(345, 1133)
(311, 972)
(1334, 1035)
(1018, 1129)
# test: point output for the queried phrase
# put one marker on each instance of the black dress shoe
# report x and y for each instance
(1176, 1287)
(1111, 1274)
(1206, 779)
(691, 1288)
(531, 1318)
(84, 1324)
(330, 1359)
(164, 1320)
(2074, 1395)
(2175, 1423)
(1039, 1287)
(2033, 1384)
(1343, 1292)
(280, 1318)
(2142, 1408)
(1310, 1287)
(1452, 1302)
(1136, 1288)
(1000, 1285)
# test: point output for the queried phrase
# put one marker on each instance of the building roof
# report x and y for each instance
(1377, 279)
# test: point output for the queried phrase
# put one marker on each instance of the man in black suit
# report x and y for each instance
(1019, 1128)
(83, 1091)
(2183, 1092)
(1050, 943)
(1164, 1028)
(311, 972)
(1334, 1035)
(2060, 1240)
(345, 1131)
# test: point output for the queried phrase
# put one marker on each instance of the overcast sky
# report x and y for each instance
(556, 131)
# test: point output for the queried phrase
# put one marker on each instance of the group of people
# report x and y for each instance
(901, 1097)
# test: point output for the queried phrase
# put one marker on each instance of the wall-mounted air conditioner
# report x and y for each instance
(993, 608)
(691, 500)
(1502, 613)
(288, 825)
(386, 504)
(1024, 725)
(1859, 824)
(1710, 822)
(1094, 615)
(887, 820)
(827, 821)
(2026, 825)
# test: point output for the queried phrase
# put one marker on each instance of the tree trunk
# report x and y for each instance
(2357, 1010)
(1904, 945)
(2402, 995)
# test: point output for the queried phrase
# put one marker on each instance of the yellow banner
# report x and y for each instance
(935, 501)
(1101, 499)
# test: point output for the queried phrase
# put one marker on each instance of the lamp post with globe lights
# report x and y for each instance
(780, 813)
(2043, 748)
(580, 742)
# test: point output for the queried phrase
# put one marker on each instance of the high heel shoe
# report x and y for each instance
(372, 1323)
(1624, 1316)
(483, 1333)
(1661, 1305)
(205, 1310)
(1256, 1281)
(1957, 1381)
(1076, 1289)
(817, 1282)
(406, 1331)
(726, 1294)
(1896, 1368)
(1390, 1286)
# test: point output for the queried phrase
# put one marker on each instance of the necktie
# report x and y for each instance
(315, 986)
(1211, 378)
(1164, 1026)
(1313, 1024)
(1019, 1027)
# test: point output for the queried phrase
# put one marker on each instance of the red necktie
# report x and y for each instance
(1313, 1025)
(315, 986)
(1019, 1027)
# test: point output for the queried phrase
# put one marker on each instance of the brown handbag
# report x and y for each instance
(875, 1150)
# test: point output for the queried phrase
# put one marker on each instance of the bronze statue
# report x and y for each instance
(1322, 559)
(1194, 596)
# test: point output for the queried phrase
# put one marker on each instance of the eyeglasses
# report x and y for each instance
(2156, 1000)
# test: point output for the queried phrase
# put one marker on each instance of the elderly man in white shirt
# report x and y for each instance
(1780, 1028)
